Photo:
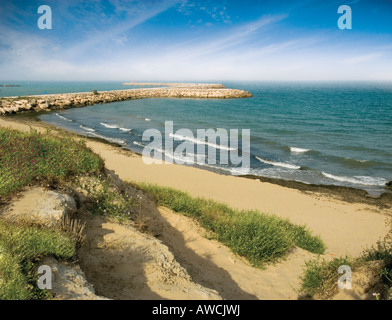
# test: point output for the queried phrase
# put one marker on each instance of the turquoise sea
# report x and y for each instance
(335, 133)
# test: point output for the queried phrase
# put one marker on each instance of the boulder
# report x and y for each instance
(37, 204)
(69, 281)
(26, 107)
(114, 180)
(42, 106)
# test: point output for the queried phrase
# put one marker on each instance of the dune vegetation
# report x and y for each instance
(35, 158)
(259, 237)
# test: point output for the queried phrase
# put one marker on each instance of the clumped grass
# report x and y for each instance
(20, 247)
(257, 236)
(25, 157)
(321, 276)
(383, 252)
(304, 239)
(107, 201)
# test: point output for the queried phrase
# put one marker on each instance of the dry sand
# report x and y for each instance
(346, 228)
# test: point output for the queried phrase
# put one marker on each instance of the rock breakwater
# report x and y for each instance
(12, 105)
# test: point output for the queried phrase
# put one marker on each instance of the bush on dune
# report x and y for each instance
(21, 246)
(257, 236)
(25, 157)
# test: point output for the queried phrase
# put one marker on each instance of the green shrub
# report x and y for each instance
(107, 201)
(321, 276)
(25, 157)
(257, 236)
(382, 252)
(20, 247)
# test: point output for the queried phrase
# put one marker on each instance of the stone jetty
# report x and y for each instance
(48, 102)
(178, 84)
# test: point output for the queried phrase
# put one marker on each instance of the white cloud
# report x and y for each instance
(363, 58)
(245, 52)
(214, 10)
(116, 30)
(221, 42)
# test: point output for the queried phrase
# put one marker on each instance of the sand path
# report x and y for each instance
(214, 266)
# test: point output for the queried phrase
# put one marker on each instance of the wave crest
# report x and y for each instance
(279, 164)
(298, 150)
(363, 180)
(198, 141)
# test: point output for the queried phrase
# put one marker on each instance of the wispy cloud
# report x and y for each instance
(137, 14)
(358, 59)
(222, 41)
(39, 54)
(153, 39)
(213, 11)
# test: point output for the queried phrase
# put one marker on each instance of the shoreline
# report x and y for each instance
(41, 104)
(346, 227)
(346, 194)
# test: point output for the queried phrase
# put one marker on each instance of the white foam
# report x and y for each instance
(62, 117)
(114, 126)
(298, 150)
(363, 180)
(279, 164)
(125, 129)
(358, 160)
(198, 141)
(139, 144)
(189, 159)
(146, 119)
(87, 129)
(110, 126)
(240, 171)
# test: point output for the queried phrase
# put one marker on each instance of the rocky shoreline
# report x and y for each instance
(12, 105)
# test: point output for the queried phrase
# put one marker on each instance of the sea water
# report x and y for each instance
(333, 133)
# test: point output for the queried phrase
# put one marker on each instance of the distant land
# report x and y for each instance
(9, 85)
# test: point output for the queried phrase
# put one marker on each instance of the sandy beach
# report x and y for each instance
(346, 227)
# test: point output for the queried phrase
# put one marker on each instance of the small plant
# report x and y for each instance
(107, 201)
(321, 277)
(383, 252)
(25, 157)
(74, 228)
(95, 92)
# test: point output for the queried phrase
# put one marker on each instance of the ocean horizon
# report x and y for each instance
(315, 132)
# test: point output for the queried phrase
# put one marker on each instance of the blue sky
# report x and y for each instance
(196, 40)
